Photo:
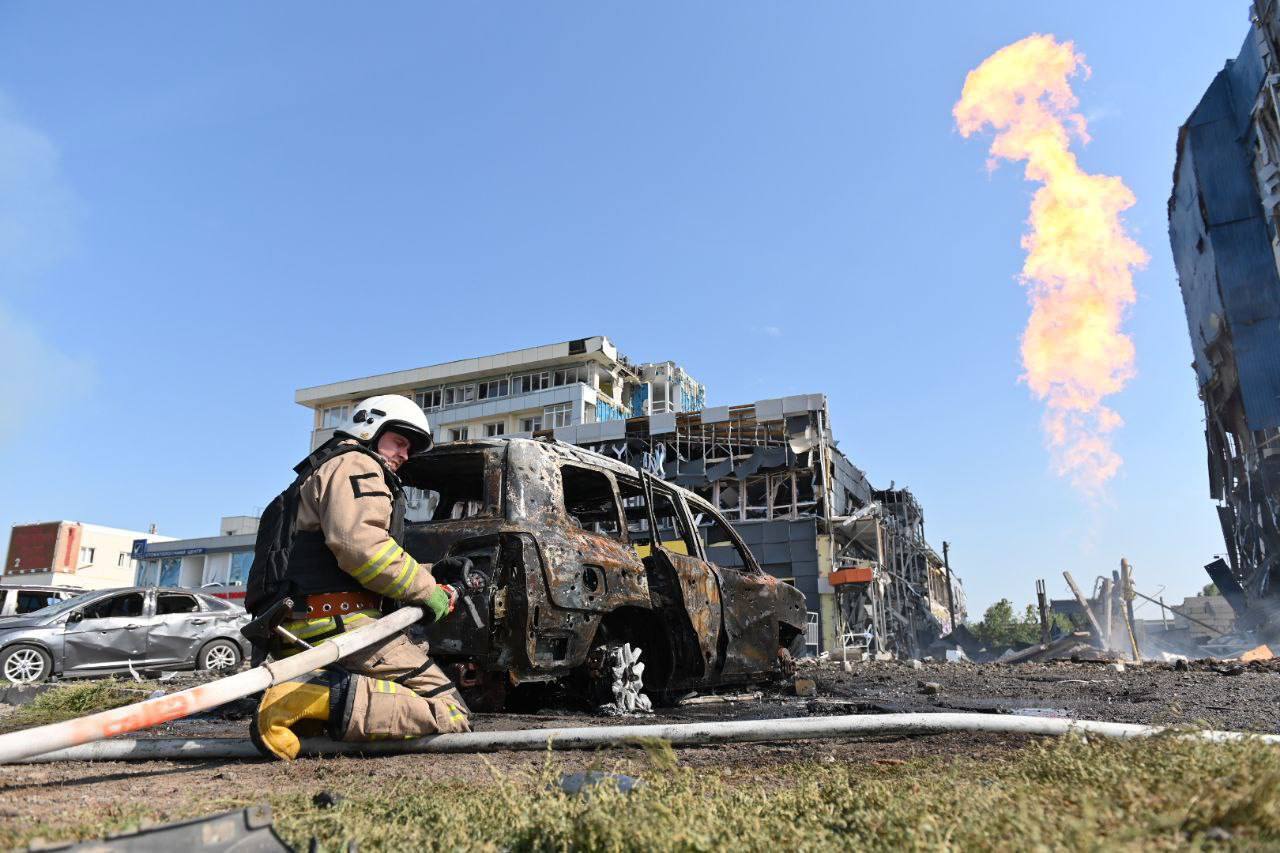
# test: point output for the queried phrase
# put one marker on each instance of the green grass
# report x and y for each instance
(1061, 794)
(74, 700)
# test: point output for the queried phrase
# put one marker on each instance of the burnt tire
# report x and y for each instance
(25, 664)
(219, 656)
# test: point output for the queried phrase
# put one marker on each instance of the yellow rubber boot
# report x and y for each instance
(286, 706)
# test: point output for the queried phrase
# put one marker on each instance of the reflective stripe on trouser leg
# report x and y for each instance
(382, 709)
(398, 659)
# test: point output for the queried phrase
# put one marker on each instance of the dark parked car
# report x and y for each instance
(114, 630)
(578, 561)
(18, 599)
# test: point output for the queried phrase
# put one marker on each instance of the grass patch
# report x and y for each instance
(1065, 793)
(74, 700)
(1068, 793)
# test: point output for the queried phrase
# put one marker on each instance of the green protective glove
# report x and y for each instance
(437, 603)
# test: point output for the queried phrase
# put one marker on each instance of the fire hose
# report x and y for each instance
(594, 737)
(76, 740)
(25, 743)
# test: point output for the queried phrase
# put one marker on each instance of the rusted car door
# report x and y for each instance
(750, 599)
(675, 564)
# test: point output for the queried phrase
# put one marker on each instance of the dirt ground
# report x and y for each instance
(1219, 695)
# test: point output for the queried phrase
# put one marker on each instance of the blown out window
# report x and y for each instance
(589, 501)
(459, 483)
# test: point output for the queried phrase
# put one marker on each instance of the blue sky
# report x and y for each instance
(205, 208)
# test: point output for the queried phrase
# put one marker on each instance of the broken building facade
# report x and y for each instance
(1224, 228)
(858, 554)
(809, 515)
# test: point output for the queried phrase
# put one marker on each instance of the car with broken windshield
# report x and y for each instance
(581, 566)
(123, 630)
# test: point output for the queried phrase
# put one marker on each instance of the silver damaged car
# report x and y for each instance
(115, 630)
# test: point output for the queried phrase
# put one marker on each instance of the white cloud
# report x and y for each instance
(35, 377)
(38, 210)
(38, 213)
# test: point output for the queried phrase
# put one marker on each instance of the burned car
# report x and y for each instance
(118, 630)
(578, 562)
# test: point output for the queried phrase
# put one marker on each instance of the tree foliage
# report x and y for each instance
(1000, 625)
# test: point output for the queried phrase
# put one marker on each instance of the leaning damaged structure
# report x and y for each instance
(1224, 228)
(859, 554)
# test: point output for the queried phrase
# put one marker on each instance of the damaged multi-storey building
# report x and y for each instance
(773, 468)
(1224, 227)
(810, 516)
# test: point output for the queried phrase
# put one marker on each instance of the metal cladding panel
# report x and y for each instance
(715, 414)
(1258, 362)
(803, 530)
(769, 410)
(1194, 259)
(775, 531)
(1232, 268)
(662, 424)
(774, 552)
(1246, 74)
(1223, 173)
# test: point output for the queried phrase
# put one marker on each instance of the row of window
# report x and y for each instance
(88, 553)
(552, 417)
(430, 399)
(167, 571)
(436, 398)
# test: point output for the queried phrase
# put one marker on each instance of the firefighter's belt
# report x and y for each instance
(335, 604)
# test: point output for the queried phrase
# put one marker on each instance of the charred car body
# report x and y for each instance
(574, 557)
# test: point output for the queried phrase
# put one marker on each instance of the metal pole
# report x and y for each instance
(1178, 612)
(1084, 603)
(951, 590)
(1042, 599)
(1126, 605)
(1107, 602)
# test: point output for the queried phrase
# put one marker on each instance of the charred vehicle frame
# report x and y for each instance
(574, 557)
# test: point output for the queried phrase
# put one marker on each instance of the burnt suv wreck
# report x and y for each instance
(576, 561)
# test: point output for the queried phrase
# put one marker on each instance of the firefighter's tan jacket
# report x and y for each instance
(348, 501)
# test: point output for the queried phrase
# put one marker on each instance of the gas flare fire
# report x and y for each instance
(1080, 260)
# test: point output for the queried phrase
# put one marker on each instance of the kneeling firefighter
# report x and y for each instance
(328, 552)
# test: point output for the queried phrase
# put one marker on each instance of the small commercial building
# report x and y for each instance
(72, 553)
(222, 561)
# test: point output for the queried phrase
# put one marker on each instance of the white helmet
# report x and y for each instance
(376, 415)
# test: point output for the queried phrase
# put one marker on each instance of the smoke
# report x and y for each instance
(1080, 260)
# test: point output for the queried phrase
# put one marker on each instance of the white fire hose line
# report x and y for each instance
(82, 732)
(593, 737)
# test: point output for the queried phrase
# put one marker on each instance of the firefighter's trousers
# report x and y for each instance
(396, 690)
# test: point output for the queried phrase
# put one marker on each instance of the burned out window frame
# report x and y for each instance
(638, 482)
(695, 505)
(692, 541)
(492, 472)
(620, 518)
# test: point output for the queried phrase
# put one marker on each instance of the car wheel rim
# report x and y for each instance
(24, 666)
(220, 657)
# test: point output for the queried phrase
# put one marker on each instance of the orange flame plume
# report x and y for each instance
(1080, 261)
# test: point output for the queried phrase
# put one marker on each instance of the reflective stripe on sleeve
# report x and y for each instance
(377, 562)
(406, 579)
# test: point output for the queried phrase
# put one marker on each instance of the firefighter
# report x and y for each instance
(331, 544)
